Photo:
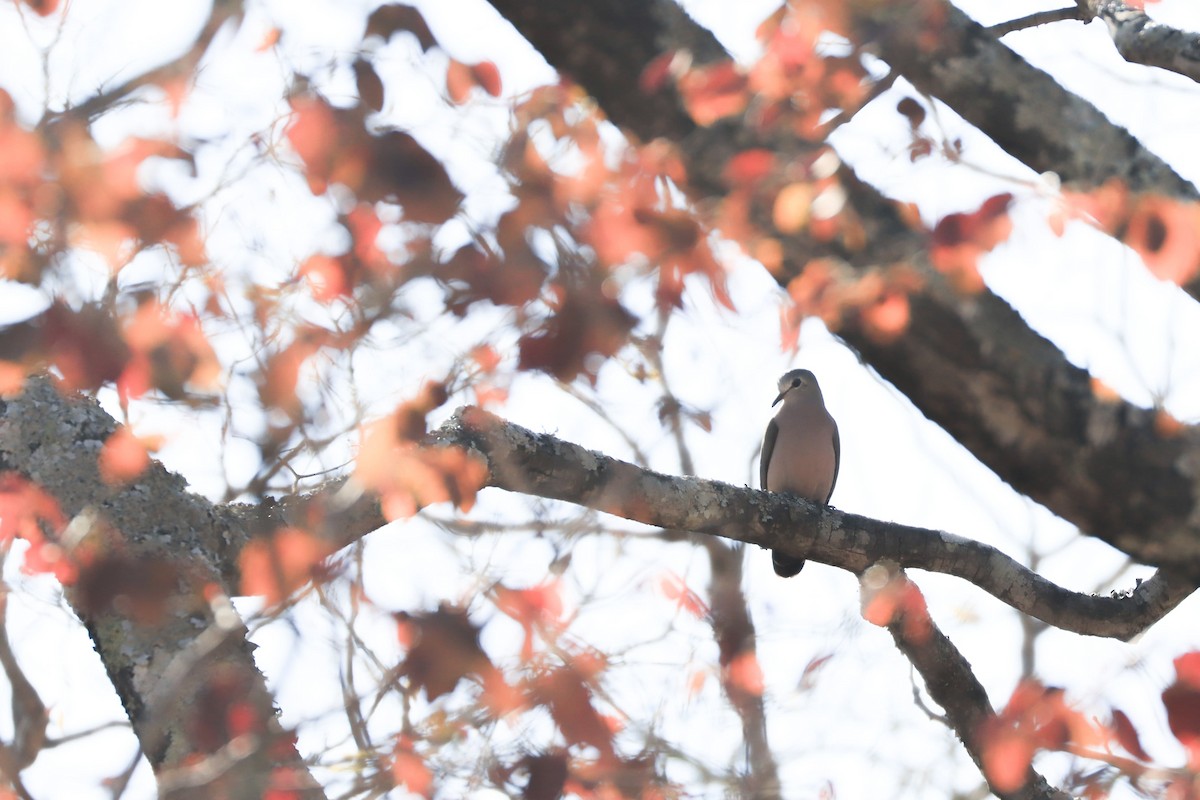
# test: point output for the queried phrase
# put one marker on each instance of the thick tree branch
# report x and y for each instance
(1020, 107)
(149, 603)
(542, 465)
(1141, 40)
(968, 362)
(948, 678)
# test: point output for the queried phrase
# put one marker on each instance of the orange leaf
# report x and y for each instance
(792, 207)
(1006, 760)
(274, 567)
(459, 81)
(123, 457)
(1164, 233)
(269, 40)
(410, 771)
(885, 320)
(714, 92)
(674, 588)
(487, 77)
(745, 673)
(1127, 735)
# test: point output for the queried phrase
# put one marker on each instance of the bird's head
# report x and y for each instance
(798, 383)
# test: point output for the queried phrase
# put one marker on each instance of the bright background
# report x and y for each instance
(852, 724)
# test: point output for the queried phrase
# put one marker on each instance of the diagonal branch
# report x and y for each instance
(1141, 40)
(949, 679)
(945, 53)
(967, 361)
(545, 466)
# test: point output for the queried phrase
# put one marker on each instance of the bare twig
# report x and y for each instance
(1035, 19)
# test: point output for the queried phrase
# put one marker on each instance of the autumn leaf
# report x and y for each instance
(537, 608)
(1164, 232)
(1127, 735)
(745, 674)
(568, 698)
(443, 650)
(462, 78)
(674, 588)
(585, 328)
(123, 457)
(959, 240)
(28, 511)
(1182, 702)
(275, 566)
(714, 91)
(408, 475)
(897, 600)
(410, 770)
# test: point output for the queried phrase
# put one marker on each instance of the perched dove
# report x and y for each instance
(801, 451)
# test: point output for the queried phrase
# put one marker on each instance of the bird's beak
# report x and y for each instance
(777, 399)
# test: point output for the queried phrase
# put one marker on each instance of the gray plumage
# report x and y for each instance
(801, 451)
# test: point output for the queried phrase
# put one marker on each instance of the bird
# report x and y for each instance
(801, 451)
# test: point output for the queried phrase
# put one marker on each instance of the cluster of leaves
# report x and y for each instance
(560, 678)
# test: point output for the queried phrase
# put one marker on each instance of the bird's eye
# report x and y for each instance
(796, 383)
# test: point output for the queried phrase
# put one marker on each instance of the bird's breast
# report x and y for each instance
(803, 460)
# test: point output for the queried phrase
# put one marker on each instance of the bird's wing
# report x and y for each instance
(767, 448)
(837, 460)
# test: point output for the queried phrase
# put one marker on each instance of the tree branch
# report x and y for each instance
(1141, 40)
(945, 53)
(967, 361)
(159, 546)
(1034, 20)
(543, 465)
(948, 677)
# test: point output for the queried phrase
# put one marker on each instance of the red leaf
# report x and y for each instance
(410, 771)
(674, 588)
(749, 167)
(459, 81)
(444, 650)
(1164, 233)
(714, 92)
(537, 607)
(43, 7)
(569, 699)
(276, 566)
(1182, 701)
(487, 77)
(959, 240)
(1127, 735)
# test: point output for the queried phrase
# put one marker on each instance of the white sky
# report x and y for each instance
(1089, 296)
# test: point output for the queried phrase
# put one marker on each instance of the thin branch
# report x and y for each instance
(543, 465)
(184, 65)
(1036, 19)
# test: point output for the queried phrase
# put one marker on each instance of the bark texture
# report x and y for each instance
(177, 657)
